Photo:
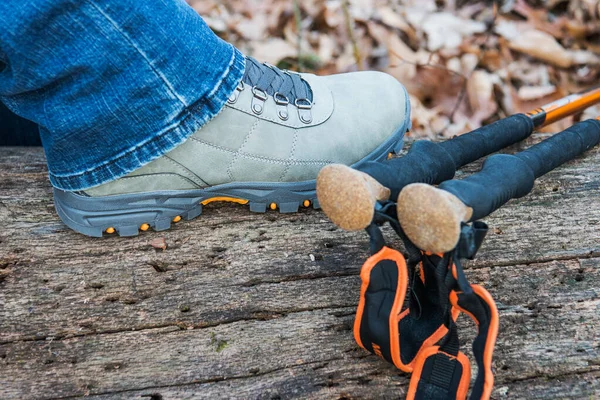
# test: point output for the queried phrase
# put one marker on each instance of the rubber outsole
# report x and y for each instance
(128, 214)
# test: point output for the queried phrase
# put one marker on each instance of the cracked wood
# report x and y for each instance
(260, 306)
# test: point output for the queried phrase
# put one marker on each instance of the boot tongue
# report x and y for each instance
(272, 80)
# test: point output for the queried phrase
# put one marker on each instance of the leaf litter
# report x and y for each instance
(464, 63)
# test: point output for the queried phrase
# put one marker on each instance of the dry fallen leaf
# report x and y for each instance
(505, 60)
(480, 92)
(273, 50)
(393, 19)
(528, 93)
(544, 46)
(444, 30)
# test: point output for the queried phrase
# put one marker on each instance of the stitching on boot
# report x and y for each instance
(291, 156)
(188, 173)
(237, 153)
(261, 158)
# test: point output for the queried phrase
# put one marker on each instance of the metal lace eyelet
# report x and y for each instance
(281, 99)
(303, 104)
(282, 106)
(304, 110)
(259, 93)
(236, 93)
(258, 101)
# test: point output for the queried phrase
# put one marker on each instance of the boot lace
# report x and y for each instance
(277, 83)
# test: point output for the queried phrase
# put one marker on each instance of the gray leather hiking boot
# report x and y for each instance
(265, 149)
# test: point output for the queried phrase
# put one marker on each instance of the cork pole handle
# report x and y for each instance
(431, 217)
(348, 197)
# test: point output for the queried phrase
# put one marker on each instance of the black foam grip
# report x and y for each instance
(504, 177)
(432, 163)
(488, 139)
(557, 150)
(425, 162)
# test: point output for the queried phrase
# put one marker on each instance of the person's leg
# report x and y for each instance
(119, 85)
(17, 131)
(113, 84)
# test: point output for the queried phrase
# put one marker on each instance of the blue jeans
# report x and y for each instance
(113, 84)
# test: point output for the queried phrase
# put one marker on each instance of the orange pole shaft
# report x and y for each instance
(564, 107)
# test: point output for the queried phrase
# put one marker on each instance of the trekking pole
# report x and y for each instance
(349, 196)
(432, 217)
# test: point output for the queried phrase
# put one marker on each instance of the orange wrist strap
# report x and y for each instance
(419, 335)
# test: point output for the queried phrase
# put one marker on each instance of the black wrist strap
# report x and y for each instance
(420, 335)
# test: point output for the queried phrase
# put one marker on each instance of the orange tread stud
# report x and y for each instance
(273, 206)
(145, 227)
(226, 199)
(177, 218)
(110, 230)
(306, 203)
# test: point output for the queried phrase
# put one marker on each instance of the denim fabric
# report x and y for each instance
(113, 84)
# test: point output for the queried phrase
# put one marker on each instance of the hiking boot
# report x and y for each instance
(264, 149)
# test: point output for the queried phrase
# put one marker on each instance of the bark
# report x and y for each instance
(245, 305)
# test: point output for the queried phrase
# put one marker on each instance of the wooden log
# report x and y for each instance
(245, 305)
(579, 386)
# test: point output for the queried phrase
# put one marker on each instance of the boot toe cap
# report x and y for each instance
(370, 109)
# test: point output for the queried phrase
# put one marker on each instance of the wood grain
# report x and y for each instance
(245, 305)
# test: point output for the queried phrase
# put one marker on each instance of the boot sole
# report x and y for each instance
(128, 214)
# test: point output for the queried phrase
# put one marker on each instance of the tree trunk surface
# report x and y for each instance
(261, 306)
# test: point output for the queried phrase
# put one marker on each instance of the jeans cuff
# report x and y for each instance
(175, 132)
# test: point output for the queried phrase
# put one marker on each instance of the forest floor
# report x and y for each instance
(464, 63)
